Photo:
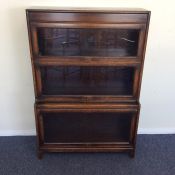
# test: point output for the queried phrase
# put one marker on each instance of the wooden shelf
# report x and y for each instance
(87, 61)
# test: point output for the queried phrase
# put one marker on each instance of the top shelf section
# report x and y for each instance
(87, 42)
(96, 33)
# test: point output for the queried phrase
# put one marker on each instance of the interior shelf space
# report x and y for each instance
(80, 80)
(86, 127)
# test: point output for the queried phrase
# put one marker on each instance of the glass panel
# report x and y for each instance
(76, 80)
(88, 42)
(86, 127)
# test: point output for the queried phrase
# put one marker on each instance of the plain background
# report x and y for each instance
(16, 84)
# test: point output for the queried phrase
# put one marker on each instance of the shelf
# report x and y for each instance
(87, 61)
(85, 99)
(132, 107)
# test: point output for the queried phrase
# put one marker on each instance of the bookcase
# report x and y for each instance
(87, 69)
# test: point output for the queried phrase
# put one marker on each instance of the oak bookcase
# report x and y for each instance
(87, 68)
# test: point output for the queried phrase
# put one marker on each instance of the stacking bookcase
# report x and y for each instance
(87, 68)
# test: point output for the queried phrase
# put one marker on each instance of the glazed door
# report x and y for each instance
(82, 126)
(92, 40)
(86, 83)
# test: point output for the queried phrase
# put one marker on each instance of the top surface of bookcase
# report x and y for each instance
(85, 9)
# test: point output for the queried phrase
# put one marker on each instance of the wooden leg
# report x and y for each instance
(132, 154)
(40, 154)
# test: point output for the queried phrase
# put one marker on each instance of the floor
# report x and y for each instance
(155, 155)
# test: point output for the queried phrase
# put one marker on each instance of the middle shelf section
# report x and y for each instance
(86, 83)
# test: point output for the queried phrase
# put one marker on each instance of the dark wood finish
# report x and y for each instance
(100, 17)
(87, 68)
(94, 127)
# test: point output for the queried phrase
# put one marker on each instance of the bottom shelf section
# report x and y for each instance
(86, 127)
(78, 127)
